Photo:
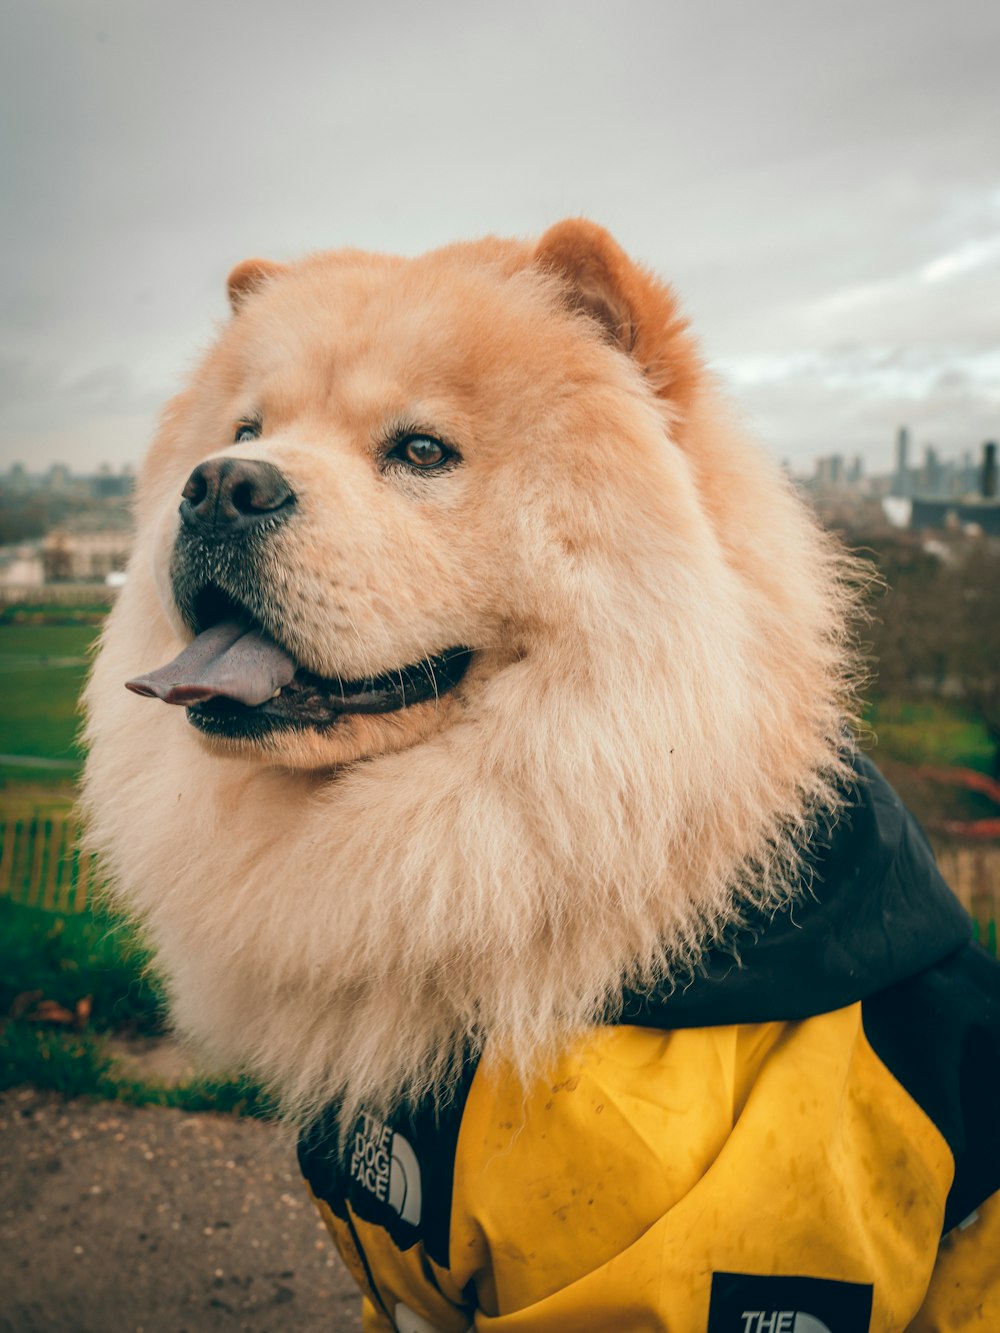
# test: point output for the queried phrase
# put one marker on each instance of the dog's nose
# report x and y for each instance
(226, 495)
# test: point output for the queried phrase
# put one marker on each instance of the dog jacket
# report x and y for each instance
(802, 1138)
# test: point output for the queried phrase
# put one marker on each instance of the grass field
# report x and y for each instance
(69, 980)
(931, 731)
(42, 671)
(66, 983)
(43, 666)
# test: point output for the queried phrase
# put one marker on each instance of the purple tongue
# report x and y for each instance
(228, 661)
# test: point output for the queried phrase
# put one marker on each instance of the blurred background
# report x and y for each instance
(820, 181)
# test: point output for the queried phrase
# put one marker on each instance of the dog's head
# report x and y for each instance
(509, 669)
(387, 480)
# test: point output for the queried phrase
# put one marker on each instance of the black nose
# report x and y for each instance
(226, 495)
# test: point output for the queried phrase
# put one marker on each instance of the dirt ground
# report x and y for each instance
(122, 1220)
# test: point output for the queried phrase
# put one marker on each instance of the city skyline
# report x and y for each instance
(852, 463)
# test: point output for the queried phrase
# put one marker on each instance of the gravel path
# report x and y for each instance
(122, 1220)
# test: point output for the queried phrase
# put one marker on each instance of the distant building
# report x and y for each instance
(17, 480)
(83, 554)
(988, 484)
(982, 511)
(108, 485)
(57, 478)
(902, 485)
(931, 472)
(22, 566)
(967, 479)
(830, 472)
(936, 515)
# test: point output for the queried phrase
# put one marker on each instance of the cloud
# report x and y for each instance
(854, 403)
(53, 413)
(966, 259)
(812, 177)
(901, 372)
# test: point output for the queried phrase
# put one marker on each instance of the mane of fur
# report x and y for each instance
(594, 813)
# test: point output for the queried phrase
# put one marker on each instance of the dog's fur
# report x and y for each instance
(655, 706)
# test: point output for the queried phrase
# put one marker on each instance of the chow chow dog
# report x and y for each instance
(504, 819)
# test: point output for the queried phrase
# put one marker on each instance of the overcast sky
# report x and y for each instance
(820, 181)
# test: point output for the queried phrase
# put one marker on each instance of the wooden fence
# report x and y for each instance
(42, 864)
(974, 874)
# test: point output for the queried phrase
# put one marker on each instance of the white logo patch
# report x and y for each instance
(408, 1321)
(781, 1321)
(385, 1164)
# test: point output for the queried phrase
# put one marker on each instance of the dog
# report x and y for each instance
(507, 825)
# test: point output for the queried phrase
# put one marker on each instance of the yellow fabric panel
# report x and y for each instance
(621, 1131)
(414, 1279)
(964, 1294)
(372, 1320)
(344, 1242)
(608, 1196)
(409, 1277)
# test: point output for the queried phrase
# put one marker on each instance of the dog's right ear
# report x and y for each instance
(248, 277)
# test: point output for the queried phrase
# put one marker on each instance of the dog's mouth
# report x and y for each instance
(237, 682)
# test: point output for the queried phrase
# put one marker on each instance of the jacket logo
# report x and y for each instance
(749, 1303)
(383, 1163)
(781, 1321)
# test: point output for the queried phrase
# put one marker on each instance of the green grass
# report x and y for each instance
(46, 640)
(71, 958)
(76, 1066)
(79, 1065)
(944, 733)
(42, 671)
(90, 956)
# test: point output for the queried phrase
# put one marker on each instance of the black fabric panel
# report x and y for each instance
(874, 911)
(938, 1033)
(318, 1162)
(749, 1303)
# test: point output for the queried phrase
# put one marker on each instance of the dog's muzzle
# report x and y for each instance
(236, 678)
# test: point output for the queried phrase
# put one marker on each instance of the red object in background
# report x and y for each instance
(981, 830)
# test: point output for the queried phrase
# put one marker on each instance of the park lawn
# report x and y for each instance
(43, 666)
(66, 984)
(42, 671)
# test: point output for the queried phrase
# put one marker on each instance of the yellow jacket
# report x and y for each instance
(785, 1171)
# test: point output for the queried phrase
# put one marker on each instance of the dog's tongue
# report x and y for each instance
(229, 661)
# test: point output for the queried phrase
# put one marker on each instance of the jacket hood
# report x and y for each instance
(873, 910)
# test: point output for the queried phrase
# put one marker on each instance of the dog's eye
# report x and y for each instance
(246, 430)
(422, 451)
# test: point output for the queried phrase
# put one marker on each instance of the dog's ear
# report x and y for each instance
(595, 272)
(248, 277)
(637, 313)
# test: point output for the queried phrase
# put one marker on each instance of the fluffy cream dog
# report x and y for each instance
(508, 457)
(492, 804)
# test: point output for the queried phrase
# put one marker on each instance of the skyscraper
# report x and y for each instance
(902, 483)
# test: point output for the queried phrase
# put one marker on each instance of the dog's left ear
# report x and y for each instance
(248, 277)
(637, 313)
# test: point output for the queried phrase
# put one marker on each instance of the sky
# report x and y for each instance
(819, 180)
